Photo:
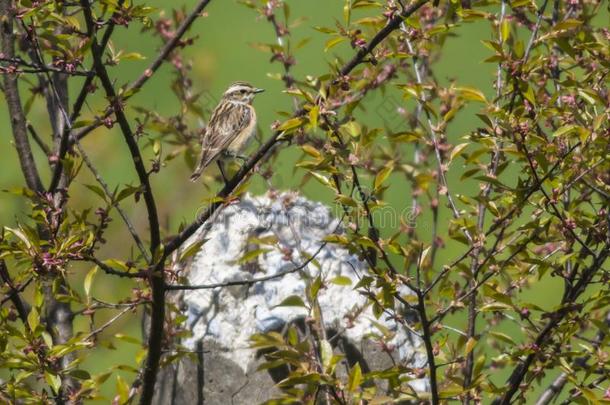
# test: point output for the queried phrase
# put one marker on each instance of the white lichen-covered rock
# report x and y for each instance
(280, 233)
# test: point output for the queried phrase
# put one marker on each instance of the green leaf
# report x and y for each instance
(352, 128)
(470, 344)
(122, 389)
(313, 116)
(457, 150)
(331, 43)
(314, 289)
(567, 24)
(192, 250)
(292, 301)
(133, 56)
(128, 339)
(341, 280)
(321, 178)
(126, 192)
(53, 380)
(471, 94)
(251, 255)
(80, 374)
(291, 124)
(97, 190)
(565, 130)
(355, 378)
(382, 176)
(89, 280)
(311, 151)
(505, 30)
(495, 306)
(33, 319)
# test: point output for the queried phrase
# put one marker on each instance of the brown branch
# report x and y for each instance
(128, 134)
(13, 294)
(157, 282)
(254, 280)
(63, 144)
(18, 289)
(499, 223)
(39, 68)
(112, 271)
(391, 26)
(41, 144)
(122, 213)
(427, 339)
(519, 373)
(13, 100)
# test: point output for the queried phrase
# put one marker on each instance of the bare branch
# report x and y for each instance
(13, 294)
(252, 281)
(122, 213)
(63, 143)
(519, 373)
(13, 100)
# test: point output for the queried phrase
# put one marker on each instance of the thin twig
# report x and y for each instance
(249, 282)
(112, 271)
(122, 213)
(13, 293)
(478, 244)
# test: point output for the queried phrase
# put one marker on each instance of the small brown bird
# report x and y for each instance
(232, 125)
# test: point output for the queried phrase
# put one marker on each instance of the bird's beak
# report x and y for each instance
(256, 91)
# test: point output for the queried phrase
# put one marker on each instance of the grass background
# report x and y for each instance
(222, 54)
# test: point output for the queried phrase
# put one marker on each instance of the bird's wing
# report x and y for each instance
(227, 122)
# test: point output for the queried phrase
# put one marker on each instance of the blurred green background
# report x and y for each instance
(222, 54)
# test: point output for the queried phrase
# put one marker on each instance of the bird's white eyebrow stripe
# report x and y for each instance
(237, 88)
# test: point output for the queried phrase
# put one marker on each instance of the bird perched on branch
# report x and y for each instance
(232, 125)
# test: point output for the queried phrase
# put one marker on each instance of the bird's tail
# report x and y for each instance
(196, 174)
(204, 160)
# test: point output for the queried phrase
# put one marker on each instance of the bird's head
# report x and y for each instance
(242, 92)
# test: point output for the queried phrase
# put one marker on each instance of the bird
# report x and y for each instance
(230, 128)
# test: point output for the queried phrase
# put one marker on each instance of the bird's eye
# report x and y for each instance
(242, 91)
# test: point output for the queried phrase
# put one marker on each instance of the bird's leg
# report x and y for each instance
(222, 171)
(234, 155)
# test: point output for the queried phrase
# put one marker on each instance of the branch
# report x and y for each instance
(63, 145)
(128, 134)
(252, 281)
(43, 146)
(392, 25)
(13, 100)
(498, 223)
(427, 339)
(157, 282)
(18, 289)
(110, 270)
(13, 294)
(37, 68)
(519, 373)
(116, 205)
(492, 169)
